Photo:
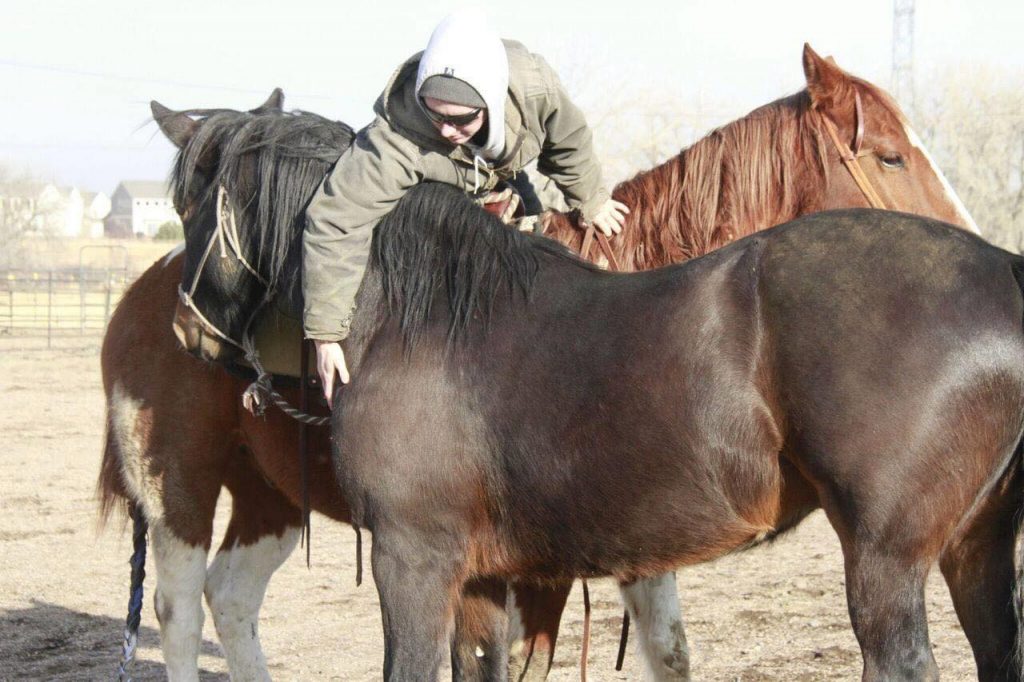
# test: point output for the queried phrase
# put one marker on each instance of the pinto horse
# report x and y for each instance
(176, 434)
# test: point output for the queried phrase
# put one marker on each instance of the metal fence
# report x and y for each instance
(60, 304)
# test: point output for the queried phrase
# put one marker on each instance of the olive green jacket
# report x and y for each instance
(401, 148)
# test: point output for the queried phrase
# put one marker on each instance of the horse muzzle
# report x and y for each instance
(195, 338)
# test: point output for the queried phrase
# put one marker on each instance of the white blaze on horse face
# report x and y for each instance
(180, 573)
(950, 192)
(235, 586)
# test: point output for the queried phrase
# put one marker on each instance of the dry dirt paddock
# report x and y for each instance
(773, 613)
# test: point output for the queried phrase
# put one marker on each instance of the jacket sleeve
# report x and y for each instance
(567, 155)
(369, 177)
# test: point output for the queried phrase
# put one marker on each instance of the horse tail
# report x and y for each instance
(138, 564)
(113, 495)
(110, 486)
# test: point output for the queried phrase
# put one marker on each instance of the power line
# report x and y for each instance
(68, 71)
(73, 145)
(903, 52)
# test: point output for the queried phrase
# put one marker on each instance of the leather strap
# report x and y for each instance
(850, 155)
(602, 241)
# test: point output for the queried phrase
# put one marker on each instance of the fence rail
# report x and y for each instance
(60, 303)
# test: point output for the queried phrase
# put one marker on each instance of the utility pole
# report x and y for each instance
(903, 53)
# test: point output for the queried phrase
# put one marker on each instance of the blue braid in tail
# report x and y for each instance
(138, 564)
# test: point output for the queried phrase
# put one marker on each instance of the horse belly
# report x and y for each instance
(636, 512)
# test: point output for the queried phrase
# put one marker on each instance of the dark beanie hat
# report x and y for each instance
(452, 89)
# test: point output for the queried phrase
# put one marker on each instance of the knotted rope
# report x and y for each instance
(261, 393)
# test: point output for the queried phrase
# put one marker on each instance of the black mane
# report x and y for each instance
(437, 239)
(270, 163)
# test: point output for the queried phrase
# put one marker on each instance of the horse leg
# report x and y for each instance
(653, 606)
(885, 593)
(180, 570)
(480, 645)
(264, 530)
(417, 582)
(888, 550)
(535, 613)
(507, 629)
(169, 467)
(978, 565)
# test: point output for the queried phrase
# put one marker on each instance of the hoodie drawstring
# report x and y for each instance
(477, 162)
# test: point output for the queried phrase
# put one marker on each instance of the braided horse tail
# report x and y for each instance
(113, 495)
(138, 564)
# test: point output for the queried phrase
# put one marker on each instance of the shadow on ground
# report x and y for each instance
(50, 642)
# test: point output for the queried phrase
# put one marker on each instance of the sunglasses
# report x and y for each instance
(456, 120)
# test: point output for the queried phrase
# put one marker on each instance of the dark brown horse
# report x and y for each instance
(176, 434)
(581, 423)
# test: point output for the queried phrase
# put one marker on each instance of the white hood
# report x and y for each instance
(466, 47)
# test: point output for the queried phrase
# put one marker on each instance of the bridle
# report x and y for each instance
(260, 392)
(850, 155)
(226, 235)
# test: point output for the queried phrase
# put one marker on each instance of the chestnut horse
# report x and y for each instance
(176, 434)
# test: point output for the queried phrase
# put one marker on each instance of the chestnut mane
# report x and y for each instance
(738, 179)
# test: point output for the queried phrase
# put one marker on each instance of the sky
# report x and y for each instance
(77, 76)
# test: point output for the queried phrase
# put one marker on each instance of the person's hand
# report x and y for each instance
(611, 217)
(330, 361)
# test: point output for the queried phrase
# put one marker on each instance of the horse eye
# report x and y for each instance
(891, 160)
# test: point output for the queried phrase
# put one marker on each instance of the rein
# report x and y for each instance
(602, 241)
(260, 391)
(850, 155)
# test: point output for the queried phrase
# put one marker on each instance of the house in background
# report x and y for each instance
(139, 208)
(70, 212)
(52, 211)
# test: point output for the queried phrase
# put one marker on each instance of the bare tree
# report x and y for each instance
(21, 213)
(635, 125)
(973, 123)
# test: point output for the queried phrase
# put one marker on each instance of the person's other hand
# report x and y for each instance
(611, 217)
(330, 361)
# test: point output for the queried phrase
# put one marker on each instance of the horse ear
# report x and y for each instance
(179, 128)
(274, 103)
(825, 80)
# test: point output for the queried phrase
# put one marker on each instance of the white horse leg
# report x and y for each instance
(653, 606)
(180, 572)
(235, 586)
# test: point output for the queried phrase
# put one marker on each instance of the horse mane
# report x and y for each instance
(736, 180)
(290, 153)
(437, 239)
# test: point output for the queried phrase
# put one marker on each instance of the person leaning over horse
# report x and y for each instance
(469, 111)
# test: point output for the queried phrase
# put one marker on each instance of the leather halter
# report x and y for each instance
(606, 247)
(850, 155)
(226, 234)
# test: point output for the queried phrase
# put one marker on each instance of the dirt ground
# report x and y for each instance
(773, 613)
